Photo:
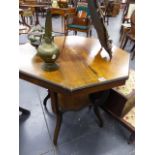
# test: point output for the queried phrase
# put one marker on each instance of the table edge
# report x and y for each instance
(84, 89)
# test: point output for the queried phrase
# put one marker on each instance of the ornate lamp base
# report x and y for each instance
(50, 66)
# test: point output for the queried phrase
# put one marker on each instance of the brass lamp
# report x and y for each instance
(48, 50)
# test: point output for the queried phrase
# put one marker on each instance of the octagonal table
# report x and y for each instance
(82, 69)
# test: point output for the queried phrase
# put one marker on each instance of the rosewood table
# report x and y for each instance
(82, 69)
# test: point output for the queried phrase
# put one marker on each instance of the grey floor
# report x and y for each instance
(79, 134)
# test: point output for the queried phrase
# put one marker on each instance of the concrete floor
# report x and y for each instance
(79, 134)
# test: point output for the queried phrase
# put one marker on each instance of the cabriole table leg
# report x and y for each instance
(46, 98)
(55, 108)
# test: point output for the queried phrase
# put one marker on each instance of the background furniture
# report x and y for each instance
(24, 24)
(79, 21)
(126, 22)
(120, 103)
(112, 7)
(23, 28)
(63, 12)
(26, 16)
(128, 10)
(35, 7)
(104, 9)
(128, 34)
(82, 69)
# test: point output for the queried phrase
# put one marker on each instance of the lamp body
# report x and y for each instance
(49, 52)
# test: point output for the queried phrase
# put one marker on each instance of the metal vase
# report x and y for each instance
(48, 50)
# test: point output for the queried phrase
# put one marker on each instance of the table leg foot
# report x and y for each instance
(97, 113)
(57, 128)
(24, 111)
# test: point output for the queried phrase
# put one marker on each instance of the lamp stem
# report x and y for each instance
(48, 27)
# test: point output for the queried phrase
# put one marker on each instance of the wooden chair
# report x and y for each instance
(27, 15)
(112, 8)
(23, 28)
(105, 9)
(128, 10)
(25, 20)
(128, 34)
(127, 13)
(122, 108)
(79, 21)
(127, 115)
(120, 103)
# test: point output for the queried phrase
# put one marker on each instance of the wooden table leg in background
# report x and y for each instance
(37, 18)
(24, 111)
(58, 113)
(63, 23)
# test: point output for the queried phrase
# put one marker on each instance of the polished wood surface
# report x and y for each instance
(63, 11)
(82, 68)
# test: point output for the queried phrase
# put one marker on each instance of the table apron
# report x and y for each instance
(59, 89)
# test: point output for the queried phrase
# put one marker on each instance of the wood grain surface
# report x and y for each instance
(82, 66)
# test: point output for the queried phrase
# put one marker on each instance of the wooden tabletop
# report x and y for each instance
(82, 68)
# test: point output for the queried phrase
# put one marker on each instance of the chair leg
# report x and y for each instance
(122, 34)
(66, 33)
(75, 32)
(131, 138)
(107, 20)
(133, 51)
(90, 33)
(126, 40)
(31, 20)
(133, 55)
(133, 48)
(87, 34)
(122, 40)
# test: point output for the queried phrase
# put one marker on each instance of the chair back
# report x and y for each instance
(81, 16)
(79, 21)
(84, 10)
